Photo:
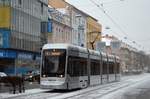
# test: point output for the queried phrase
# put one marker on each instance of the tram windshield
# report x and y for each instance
(53, 63)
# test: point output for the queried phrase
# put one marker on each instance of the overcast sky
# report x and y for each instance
(131, 18)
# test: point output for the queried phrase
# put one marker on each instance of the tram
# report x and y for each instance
(65, 66)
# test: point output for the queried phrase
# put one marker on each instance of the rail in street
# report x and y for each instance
(95, 92)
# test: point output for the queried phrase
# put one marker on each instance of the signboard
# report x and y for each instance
(1, 54)
(7, 54)
(49, 27)
(38, 58)
(25, 56)
(48, 53)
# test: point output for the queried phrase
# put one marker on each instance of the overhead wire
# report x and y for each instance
(104, 11)
(101, 7)
(114, 22)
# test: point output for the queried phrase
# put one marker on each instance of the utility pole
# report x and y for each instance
(92, 42)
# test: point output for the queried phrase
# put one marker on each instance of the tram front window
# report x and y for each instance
(53, 64)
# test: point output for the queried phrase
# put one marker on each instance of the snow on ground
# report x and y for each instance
(119, 94)
(106, 91)
(27, 92)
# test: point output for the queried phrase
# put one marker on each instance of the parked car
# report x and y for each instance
(32, 76)
(2, 74)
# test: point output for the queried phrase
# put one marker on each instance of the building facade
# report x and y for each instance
(77, 21)
(21, 35)
(94, 30)
(79, 25)
(60, 27)
(132, 60)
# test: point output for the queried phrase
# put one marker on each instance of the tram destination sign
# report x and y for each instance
(50, 53)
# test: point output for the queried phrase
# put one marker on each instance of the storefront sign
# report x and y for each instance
(7, 54)
(1, 54)
(38, 58)
(25, 56)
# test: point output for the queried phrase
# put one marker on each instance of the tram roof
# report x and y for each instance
(67, 46)
(64, 46)
(73, 47)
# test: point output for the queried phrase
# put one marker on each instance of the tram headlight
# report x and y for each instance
(30, 76)
(61, 76)
(44, 75)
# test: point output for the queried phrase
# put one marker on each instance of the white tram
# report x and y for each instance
(66, 66)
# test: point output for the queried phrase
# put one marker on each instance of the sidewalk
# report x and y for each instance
(28, 85)
(30, 88)
(27, 92)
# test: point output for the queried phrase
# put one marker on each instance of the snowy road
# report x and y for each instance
(116, 90)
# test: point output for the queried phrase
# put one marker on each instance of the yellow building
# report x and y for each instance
(58, 3)
(4, 17)
(94, 30)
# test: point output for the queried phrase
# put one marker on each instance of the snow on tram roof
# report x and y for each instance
(66, 46)
(63, 46)
(56, 45)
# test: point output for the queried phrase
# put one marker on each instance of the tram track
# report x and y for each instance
(66, 95)
(95, 92)
(77, 94)
(100, 92)
(103, 91)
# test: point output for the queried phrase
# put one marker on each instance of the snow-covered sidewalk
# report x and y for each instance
(27, 92)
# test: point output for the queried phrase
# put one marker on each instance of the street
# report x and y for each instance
(130, 87)
(135, 91)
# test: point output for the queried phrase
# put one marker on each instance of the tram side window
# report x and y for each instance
(104, 68)
(111, 68)
(77, 66)
(95, 67)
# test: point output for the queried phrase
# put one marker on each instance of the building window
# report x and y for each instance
(19, 2)
(4, 2)
(44, 27)
(42, 8)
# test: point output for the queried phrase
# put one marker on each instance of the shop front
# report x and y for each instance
(7, 61)
(18, 63)
(26, 63)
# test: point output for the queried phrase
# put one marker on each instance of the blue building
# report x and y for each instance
(22, 34)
